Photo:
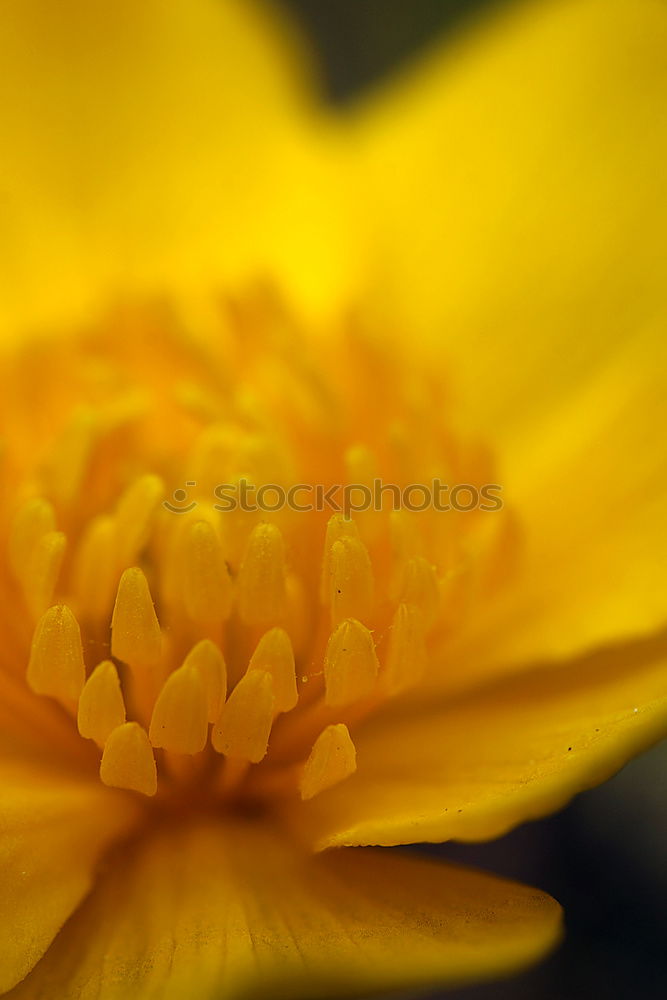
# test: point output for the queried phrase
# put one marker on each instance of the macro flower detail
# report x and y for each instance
(214, 714)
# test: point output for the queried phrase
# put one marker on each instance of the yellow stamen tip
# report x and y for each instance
(262, 592)
(33, 520)
(206, 658)
(207, 587)
(332, 759)
(350, 663)
(135, 632)
(128, 761)
(406, 654)
(350, 580)
(95, 569)
(338, 526)
(421, 588)
(101, 705)
(56, 666)
(274, 654)
(180, 716)
(134, 514)
(42, 571)
(244, 726)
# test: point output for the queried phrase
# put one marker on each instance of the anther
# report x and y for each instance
(128, 761)
(243, 729)
(262, 593)
(275, 655)
(134, 515)
(207, 659)
(332, 759)
(350, 580)
(406, 654)
(207, 587)
(180, 716)
(101, 705)
(56, 666)
(135, 632)
(338, 526)
(350, 664)
(420, 588)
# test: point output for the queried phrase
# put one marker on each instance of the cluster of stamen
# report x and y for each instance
(250, 642)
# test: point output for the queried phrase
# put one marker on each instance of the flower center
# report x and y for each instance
(229, 547)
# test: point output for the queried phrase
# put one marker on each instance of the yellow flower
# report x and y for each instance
(462, 278)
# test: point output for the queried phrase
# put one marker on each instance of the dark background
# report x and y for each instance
(604, 857)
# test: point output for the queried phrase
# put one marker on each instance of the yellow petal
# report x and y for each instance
(233, 911)
(523, 229)
(472, 767)
(157, 145)
(53, 832)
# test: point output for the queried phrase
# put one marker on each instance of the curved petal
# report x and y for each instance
(233, 910)
(161, 146)
(521, 217)
(53, 831)
(473, 767)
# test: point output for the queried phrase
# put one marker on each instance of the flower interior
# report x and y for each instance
(215, 656)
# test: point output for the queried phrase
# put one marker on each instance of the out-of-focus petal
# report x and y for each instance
(516, 202)
(162, 146)
(53, 831)
(233, 911)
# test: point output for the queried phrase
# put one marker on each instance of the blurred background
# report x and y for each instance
(605, 856)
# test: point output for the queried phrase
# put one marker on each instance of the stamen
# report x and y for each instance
(135, 632)
(207, 587)
(332, 759)
(338, 526)
(351, 580)
(180, 715)
(350, 664)
(128, 761)
(134, 515)
(421, 589)
(243, 729)
(32, 521)
(406, 654)
(36, 552)
(56, 666)
(275, 655)
(69, 460)
(207, 659)
(101, 705)
(95, 569)
(42, 571)
(262, 593)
